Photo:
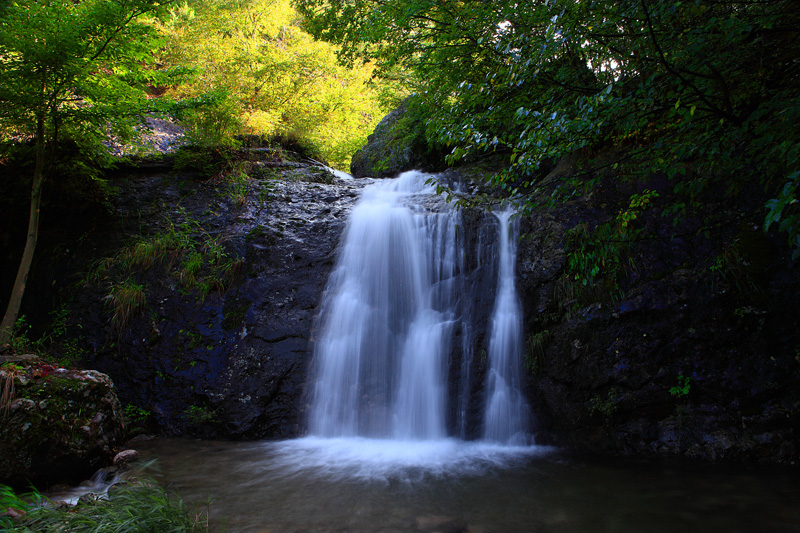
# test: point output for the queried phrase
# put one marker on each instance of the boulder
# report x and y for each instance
(126, 457)
(397, 144)
(57, 425)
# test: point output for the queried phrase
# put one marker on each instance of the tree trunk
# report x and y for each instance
(14, 302)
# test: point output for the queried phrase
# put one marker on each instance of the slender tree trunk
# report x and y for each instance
(10, 317)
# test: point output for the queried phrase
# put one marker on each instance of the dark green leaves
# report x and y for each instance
(703, 92)
(785, 212)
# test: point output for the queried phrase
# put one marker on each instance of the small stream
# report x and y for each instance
(363, 485)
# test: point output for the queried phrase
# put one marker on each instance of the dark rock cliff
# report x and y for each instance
(397, 144)
(693, 352)
(198, 298)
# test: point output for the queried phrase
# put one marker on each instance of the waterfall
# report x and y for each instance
(388, 318)
(507, 412)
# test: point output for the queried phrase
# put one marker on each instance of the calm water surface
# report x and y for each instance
(361, 485)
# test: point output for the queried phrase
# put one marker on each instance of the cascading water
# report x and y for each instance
(507, 413)
(388, 319)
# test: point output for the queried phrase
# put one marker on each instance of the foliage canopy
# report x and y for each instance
(79, 67)
(705, 92)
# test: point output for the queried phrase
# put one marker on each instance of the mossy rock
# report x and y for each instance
(397, 144)
(56, 425)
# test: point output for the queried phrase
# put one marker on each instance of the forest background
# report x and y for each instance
(688, 111)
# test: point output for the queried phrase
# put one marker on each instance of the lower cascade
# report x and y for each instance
(395, 303)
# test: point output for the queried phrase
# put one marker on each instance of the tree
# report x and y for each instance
(269, 76)
(706, 92)
(73, 68)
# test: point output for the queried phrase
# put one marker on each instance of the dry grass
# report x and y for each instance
(8, 374)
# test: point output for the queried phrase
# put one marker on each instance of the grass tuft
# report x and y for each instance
(127, 298)
(137, 508)
(203, 265)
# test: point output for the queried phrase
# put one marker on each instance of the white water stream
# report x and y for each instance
(507, 412)
(382, 455)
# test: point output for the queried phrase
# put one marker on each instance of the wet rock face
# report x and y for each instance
(231, 362)
(680, 359)
(287, 270)
(672, 372)
(56, 425)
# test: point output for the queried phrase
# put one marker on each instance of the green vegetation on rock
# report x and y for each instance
(70, 70)
(55, 423)
(196, 259)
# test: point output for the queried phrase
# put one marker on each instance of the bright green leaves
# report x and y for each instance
(638, 203)
(76, 63)
(605, 250)
(276, 79)
(681, 390)
(69, 69)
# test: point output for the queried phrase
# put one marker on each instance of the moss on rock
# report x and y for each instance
(58, 425)
(397, 144)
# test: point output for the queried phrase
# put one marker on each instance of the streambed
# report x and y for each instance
(364, 485)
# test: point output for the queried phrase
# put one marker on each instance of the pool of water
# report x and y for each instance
(362, 485)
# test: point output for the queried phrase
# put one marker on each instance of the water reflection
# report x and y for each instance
(358, 485)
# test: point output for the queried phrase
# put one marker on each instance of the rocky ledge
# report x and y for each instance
(202, 300)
